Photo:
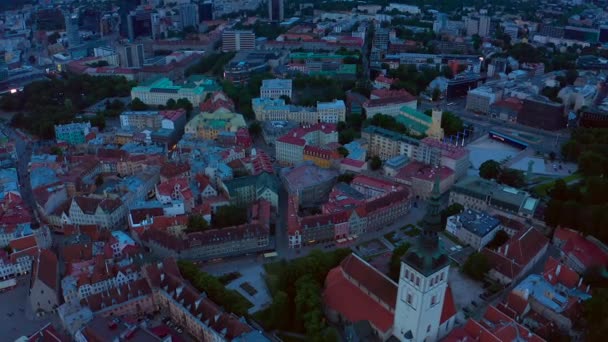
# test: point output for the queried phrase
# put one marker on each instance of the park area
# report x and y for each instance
(402, 234)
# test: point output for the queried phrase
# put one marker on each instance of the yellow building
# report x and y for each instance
(210, 125)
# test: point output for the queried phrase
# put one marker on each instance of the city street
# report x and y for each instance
(24, 153)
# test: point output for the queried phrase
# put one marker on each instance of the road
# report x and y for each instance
(24, 154)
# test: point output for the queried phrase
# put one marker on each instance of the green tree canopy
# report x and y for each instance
(490, 169)
(476, 266)
(375, 163)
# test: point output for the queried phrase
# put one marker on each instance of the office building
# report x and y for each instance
(205, 11)
(275, 88)
(71, 29)
(276, 11)
(441, 22)
(479, 100)
(542, 113)
(473, 227)
(131, 56)
(139, 24)
(160, 91)
(482, 194)
(387, 144)
(188, 15)
(233, 40)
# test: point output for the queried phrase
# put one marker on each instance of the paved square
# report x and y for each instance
(16, 319)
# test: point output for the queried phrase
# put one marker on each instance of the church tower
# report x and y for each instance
(422, 281)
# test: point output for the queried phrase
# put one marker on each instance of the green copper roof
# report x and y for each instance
(416, 114)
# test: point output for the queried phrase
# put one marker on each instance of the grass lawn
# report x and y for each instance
(543, 189)
(249, 304)
(248, 288)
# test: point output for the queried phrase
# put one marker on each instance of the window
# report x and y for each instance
(441, 277)
(412, 277)
(417, 281)
(409, 299)
(406, 273)
(428, 329)
(433, 300)
(432, 282)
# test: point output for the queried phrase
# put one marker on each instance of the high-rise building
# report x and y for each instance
(275, 10)
(484, 23)
(423, 281)
(233, 40)
(131, 56)
(205, 11)
(71, 29)
(441, 22)
(139, 23)
(188, 14)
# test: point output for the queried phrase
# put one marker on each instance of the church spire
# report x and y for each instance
(432, 218)
(426, 255)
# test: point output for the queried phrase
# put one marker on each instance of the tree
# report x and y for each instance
(346, 178)
(499, 239)
(279, 310)
(99, 180)
(395, 263)
(591, 163)
(185, 104)
(476, 266)
(171, 104)
(228, 216)
(595, 313)
(436, 94)
(490, 169)
(512, 177)
(255, 129)
(343, 151)
(375, 163)
(138, 104)
(559, 191)
(197, 223)
(453, 209)
(552, 156)
(451, 123)
(56, 150)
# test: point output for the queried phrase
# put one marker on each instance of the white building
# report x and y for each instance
(275, 88)
(331, 112)
(403, 8)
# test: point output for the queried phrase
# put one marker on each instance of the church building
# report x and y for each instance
(420, 307)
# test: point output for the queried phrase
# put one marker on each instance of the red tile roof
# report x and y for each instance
(343, 296)
(447, 150)
(170, 170)
(373, 182)
(45, 269)
(363, 274)
(583, 250)
(216, 101)
(23, 243)
(353, 162)
(167, 188)
(47, 334)
(89, 205)
(13, 210)
(556, 272)
(449, 308)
